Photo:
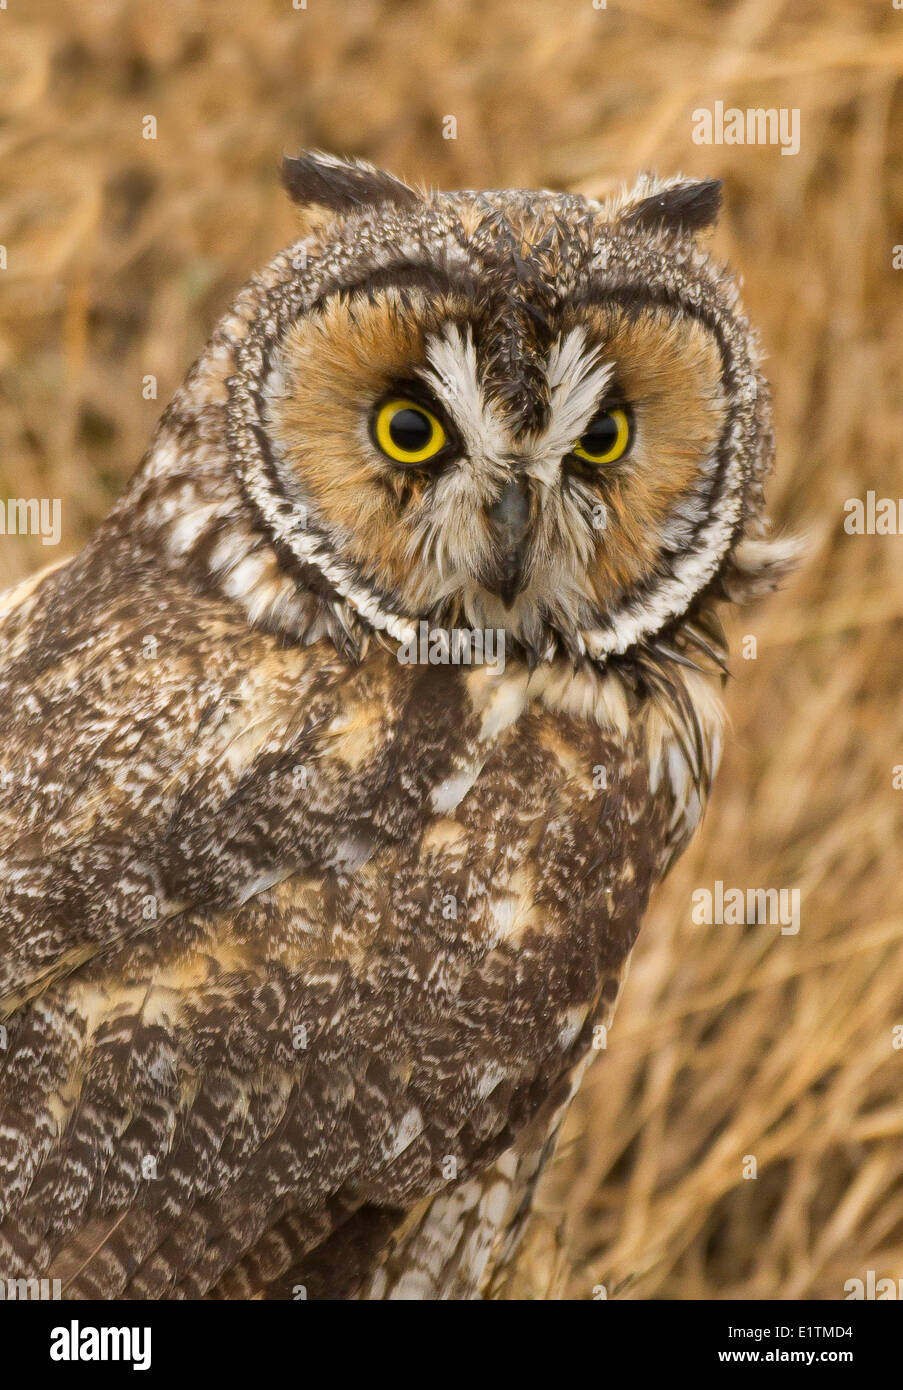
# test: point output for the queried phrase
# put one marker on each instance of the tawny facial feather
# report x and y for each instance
(420, 539)
(669, 372)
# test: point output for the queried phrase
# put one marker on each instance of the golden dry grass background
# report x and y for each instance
(121, 252)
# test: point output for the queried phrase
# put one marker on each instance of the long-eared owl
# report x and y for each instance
(339, 765)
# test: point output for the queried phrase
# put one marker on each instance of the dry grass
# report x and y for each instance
(730, 1041)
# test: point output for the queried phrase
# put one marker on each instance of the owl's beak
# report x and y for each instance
(509, 521)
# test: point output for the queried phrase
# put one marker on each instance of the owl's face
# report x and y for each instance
(527, 411)
(544, 508)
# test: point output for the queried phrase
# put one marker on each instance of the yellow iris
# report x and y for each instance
(606, 437)
(408, 432)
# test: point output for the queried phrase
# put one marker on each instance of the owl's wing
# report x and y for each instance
(289, 946)
(137, 730)
(160, 1128)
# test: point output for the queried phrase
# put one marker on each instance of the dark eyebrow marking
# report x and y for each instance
(404, 276)
(637, 296)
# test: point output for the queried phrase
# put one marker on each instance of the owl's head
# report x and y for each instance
(507, 409)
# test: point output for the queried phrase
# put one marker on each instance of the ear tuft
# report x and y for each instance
(687, 206)
(344, 185)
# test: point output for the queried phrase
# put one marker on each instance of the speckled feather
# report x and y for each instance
(302, 949)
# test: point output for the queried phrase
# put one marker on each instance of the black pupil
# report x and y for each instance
(601, 435)
(410, 430)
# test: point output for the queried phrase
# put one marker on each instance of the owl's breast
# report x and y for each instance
(460, 879)
(394, 898)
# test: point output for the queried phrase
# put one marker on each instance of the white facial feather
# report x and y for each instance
(454, 378)
(577, 384)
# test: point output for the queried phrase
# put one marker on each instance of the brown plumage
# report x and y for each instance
(303, 948)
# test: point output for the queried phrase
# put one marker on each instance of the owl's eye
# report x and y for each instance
(408, 433)
(607, 437)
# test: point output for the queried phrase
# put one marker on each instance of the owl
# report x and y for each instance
(339, 766)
